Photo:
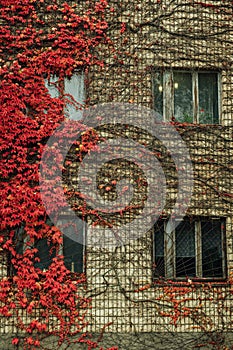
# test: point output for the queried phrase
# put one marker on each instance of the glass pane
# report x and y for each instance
(19, 240)
(158, 94)
(73, 255)
(185, 249)
(75, 88)
(159, 249)
(208, 98)
(44, 254)
(211, 249)
(183, 97)
(51, 86)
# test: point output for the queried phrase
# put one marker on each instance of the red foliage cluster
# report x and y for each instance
(38, 39)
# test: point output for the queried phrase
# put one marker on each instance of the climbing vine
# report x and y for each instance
(39, 40)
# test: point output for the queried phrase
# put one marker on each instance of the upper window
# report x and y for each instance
(73, 89)
(191, 97)
(195, 249)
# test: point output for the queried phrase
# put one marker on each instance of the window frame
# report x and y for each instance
(170, 258)
(168, 88)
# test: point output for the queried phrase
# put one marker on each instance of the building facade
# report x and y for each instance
(162, 288)
(174, 57)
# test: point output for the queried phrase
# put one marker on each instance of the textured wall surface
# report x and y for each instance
(127, 304)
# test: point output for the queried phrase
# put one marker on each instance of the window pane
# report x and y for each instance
(185, 249)
(20, 240)
(73, 255)
(208, 98)
(44, 248)
(211, 249)
(75, 88)
(159, 249)
(158, 93)
(183, 99)
(52, 86)
(44, 254)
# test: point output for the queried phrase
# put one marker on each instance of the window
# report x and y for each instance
(192, 97)
(71, 250)
(195, 249)
(71, 87)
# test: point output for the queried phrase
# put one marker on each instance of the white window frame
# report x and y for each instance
(170, 251)
(168, 93)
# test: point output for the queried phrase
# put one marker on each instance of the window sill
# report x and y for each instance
(197, 282)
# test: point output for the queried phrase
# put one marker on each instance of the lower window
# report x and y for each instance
(195, 249)
(71, 250)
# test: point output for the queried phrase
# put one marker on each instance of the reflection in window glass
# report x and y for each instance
(183, 99)
(45, 253)
(158, 93)
(52, 86)
(73, 255)
(208, 98)
(211, 249)
(185, 249)
(74, 90)
(159, 249)
(75, 87)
